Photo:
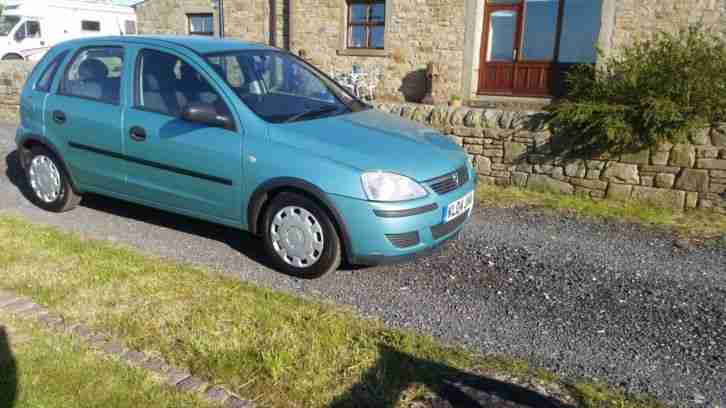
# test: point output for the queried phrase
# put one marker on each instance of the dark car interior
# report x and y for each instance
(168, 85)
(95, 82)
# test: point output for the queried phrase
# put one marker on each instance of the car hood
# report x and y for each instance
(374, 140)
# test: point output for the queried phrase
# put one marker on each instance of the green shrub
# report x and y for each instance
(660, 89)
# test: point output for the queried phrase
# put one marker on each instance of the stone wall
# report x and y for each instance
(169, 16)
(640, 18)
(12, 79)
(249, 19)
(513, 148)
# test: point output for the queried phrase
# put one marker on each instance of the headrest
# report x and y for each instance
(151, 82)
(187, 72)
(92, 69)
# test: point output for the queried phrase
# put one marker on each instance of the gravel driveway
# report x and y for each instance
(607, 301)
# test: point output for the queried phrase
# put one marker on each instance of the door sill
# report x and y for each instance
(234, 223)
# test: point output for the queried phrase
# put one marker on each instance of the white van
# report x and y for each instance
(28, 28)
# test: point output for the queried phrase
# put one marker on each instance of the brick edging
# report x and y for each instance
(178, 378)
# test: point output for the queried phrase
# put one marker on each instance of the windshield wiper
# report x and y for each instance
(311, 112)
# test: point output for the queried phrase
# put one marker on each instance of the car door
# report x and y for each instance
(85, 115)
(32, 99)
(189, 167)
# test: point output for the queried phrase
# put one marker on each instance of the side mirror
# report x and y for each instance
(206, 113)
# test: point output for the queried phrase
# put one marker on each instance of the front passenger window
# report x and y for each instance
(95, 74)
(166, 84)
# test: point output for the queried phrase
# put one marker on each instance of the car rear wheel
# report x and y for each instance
(300, 237)
(49, 184)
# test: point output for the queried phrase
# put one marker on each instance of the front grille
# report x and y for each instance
(449, 182)
(404, 240)
(441, 230)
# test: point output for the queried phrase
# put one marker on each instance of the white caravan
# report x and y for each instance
(29, 27)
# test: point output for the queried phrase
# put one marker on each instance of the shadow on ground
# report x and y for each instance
(396, 373)
(241, 241)
(8, 372)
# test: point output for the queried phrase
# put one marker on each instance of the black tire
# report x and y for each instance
(67, 199)
(12, 57)
(330, 257)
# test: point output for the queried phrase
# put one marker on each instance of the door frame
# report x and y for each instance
(523, 73)
(177, 199)
(489, 9)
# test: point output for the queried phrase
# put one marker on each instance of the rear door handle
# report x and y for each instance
(137, 133)
(59, 117)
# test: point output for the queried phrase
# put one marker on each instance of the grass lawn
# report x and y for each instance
(274, 348)
(695, 224)
(41, 369)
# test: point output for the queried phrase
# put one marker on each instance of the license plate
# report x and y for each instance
(458, 207)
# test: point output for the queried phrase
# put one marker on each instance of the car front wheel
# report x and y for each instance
(49, 184)
(300, 237)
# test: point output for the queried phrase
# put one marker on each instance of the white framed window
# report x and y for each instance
(201, 24)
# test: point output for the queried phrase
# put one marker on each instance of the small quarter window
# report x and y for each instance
(46, 79)
(95, 74)
(88, 25)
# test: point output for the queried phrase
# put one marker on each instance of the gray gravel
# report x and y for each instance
(611, 302)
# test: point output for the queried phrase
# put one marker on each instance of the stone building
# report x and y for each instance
(482, 48)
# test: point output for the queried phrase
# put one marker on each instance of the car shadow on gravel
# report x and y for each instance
(397, 373)
(241, 241)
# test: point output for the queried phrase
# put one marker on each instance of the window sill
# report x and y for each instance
(363, 52)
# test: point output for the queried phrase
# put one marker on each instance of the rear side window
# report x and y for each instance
(95, 74)
(46, 79)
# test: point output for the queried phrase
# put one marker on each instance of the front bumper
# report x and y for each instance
(381, 233)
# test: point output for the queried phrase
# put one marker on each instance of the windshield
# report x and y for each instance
(7, 23)
(281, 88)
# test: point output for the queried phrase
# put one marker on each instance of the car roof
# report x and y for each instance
(198, 44)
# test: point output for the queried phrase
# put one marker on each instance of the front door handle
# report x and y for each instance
(137, 133)
(59, 117)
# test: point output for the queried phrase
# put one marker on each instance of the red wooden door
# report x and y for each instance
(507, 65)
(500, 46)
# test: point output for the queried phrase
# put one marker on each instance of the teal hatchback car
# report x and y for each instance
(243, 135)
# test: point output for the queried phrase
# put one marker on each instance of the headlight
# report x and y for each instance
(380, 186)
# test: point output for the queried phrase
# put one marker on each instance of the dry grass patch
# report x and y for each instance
(695, 224)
